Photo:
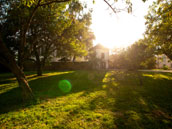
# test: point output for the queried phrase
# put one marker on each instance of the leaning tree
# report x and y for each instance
(6, 56)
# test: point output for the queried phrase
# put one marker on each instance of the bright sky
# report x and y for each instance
(121, 29)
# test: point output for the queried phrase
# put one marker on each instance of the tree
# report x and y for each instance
(8, 59)
(159, 27)
(42, 37)
(76, 39)
(94, 62)
(118, 59)
(60, 34)
(138, 55)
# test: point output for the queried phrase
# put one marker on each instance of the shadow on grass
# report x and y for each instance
(7, 78)
(98, 99)
(132, 105)
(46, 87)
(146, 106)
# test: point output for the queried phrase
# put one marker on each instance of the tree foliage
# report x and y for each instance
(24, 18)
(16, 18)
(77, 38)
(159, 27)
(60, 33)
(139, 55)
(43, 31)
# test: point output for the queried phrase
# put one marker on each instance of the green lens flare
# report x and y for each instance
(65, 86)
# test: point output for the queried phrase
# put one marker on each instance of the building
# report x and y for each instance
(101, 53)
(163, 61)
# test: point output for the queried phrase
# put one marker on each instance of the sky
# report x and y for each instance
(121, 29)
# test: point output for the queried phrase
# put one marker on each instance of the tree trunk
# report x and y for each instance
(139, 76)
(21, 54)
(39, 69)
(22, 81)
(74, 57)
(20, 59)
(8, 60)
(38, 61)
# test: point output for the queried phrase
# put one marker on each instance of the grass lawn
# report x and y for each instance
(97, 100)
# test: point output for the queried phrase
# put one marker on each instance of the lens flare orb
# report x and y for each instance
(65, 86)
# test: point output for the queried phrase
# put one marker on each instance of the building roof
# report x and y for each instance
(99, 46)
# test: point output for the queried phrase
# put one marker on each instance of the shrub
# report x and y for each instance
(165, 67)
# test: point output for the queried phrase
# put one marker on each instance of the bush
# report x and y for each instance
(165, 67)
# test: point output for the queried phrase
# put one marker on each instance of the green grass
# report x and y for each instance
(97, 100)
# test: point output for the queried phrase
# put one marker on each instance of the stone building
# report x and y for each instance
(163, 61)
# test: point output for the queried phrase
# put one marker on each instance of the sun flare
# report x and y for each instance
(118, 30)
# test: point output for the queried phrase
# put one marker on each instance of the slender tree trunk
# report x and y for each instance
(139, 75)
(21, 54)
(10, 62)
(38, 61)
(74, 57)
(39, 69)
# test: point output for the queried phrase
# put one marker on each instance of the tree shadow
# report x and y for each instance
(146, 106)
(102, 99)
(8, 78)
(46, 87)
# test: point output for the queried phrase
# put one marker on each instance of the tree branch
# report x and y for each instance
(31, 17)
(110, 6)
(54, 1)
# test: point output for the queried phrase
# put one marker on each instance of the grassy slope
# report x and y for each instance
(98, 99)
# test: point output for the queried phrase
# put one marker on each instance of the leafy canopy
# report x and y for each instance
(159, 27)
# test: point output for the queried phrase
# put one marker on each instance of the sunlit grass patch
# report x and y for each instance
(158, 76)
(7, 87)
(9, 82)
(97, 99)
